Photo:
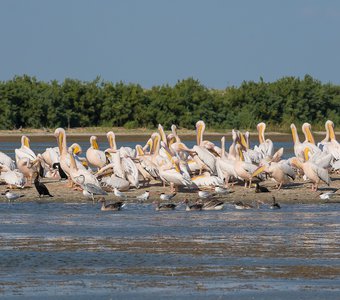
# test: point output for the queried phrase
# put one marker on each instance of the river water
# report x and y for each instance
(73, 250)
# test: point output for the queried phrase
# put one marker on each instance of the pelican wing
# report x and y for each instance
(131, 171)
(206, 157)
(24, 153)
(322, 173)
(13, 177)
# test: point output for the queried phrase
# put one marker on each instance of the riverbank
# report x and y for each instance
(297, 192)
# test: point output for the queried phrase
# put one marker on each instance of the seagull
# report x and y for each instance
(11, 196)
(328, 195)
(166, 197)
(221, 190)
(143, 197)
(275, 205)
(205, 194)
(119, 194)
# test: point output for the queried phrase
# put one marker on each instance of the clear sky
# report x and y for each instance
(153, 42)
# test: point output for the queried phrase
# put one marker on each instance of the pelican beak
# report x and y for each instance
(331, 131)
(85, 164)
(155, 142)
(140, 151)
(260, 129)
(258, 171)
(310, 135)
(60, 141)
(95, 145)
(295, 161)
(306, 152)
(76, 150)
(243, 141)
(199, 128)
(27, 142)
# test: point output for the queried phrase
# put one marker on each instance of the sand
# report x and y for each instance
(297, 192)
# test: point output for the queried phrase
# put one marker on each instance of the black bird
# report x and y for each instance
(275, 205)
(62, 174)
(261, 189)
(41, 188)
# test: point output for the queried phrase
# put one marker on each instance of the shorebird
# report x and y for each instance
(143, 197)
(221, 190)
(164, 206)
(167, 197)
(115, 206)
(190, 207)
(328, 195)
(119, 194)
(205, 194)
(11, 196)
(275, 205)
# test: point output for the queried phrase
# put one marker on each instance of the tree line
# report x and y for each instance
(28, 102)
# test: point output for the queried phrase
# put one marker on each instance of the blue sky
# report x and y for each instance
(153, 42)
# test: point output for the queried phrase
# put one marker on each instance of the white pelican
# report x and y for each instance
(281, 172)
(265, 145)
(225, 166)
(24, 151)
(298, 146)
(309, 138)
(312, 171)
(333, 146)
(76, 173)
(95, 156)
(13, 178)
(6, 160)
(203, 153)
(28, 167)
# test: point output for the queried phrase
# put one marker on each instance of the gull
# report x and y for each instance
(205, 194)
(11, 196)
(221, 190)
(167, 197)
(328, 195)
(143, 197)
(119, 194)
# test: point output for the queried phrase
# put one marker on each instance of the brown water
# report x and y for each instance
(75, 250)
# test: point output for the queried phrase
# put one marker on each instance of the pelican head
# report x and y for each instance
(330, 129)
(25, 141)
(306, 128)
(112, 139)
(60, 134)
(261, 127)
(294, 134)
(93, 142)
(75, 149)
(200, 127)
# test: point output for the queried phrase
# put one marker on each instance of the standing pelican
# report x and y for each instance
(95, 156)
(24, 151)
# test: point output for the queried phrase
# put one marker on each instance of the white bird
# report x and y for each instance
(328, 195)
(205, 194)
(167, 197)
(89, 189)
(119, 194)
(11, 196)
(143, 197)
(221, 190)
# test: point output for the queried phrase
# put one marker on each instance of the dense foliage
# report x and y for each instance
(27, 102)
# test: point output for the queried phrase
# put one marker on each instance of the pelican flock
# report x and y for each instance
(165, 160)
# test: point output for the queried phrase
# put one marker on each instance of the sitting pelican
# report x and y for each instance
(24, 151)
(95, 156)
(13, 178)
(7, 161)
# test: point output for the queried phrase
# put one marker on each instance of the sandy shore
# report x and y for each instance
(296, 192)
